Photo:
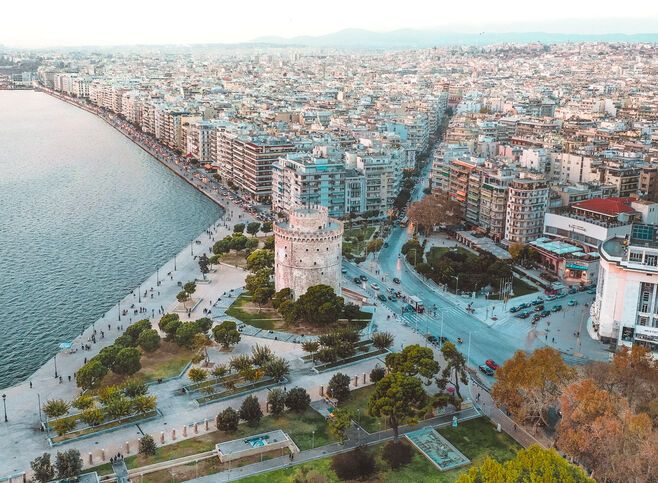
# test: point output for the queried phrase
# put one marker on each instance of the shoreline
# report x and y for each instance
(180, 261)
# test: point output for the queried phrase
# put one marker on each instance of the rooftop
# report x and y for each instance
(606, 206)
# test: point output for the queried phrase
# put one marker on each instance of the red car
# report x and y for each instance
(491, 363)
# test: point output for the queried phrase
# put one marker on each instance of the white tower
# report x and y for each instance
(308, 251)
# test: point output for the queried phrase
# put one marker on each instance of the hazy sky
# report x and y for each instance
(39, 23)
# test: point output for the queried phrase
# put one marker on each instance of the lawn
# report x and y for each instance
(359, 400)
(476, 438)
(299, 426)
(435, 253)
(356, 239)
(167, 361)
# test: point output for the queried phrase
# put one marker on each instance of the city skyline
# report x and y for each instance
(45, 25)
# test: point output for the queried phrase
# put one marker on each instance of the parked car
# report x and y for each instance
(523, 315)
(539, 308)
(523, 306)
(374, 286)
(396, 280)
(392, 298)
(487, 371)
(551, 298)
(491, 363)
(572, 290)
(537, 301)
(432, 338)
(536, 318)
(381, 297)
(591, 291)
(343, 270)
(556, 308)
(545, 313)
(363, 278)
(514, 309)
(572, 302)
(357, 280)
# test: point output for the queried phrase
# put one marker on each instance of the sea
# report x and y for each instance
(85, 216)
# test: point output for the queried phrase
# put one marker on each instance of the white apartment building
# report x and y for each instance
(526, 205)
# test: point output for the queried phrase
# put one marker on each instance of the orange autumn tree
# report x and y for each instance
(529, 385)
(433, 210)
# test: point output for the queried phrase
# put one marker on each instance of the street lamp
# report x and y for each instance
(4, 404)
(139, 298)
(174, 263)
(456, 277)
(313, 445)
(119, 310)
(192, 248)
(55, 359)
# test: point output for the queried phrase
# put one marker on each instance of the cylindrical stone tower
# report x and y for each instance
(308, 250)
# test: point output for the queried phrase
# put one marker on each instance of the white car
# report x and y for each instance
(374, 286)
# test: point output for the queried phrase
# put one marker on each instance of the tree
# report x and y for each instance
(82, 402)
(455, 370)
(311, 346)
(262, 295)
(144, 404)
(220, 370)
(298, 399)
(147, 446)
(250, 411)
(183, 297)
(276, 401)
(204, 324)
(319, 305)
(63, 426)
(261, 355)
(90, 375)
(43, 469)
(149, 340)
(185, 334)
(55, 408)
(226, 334)
(397, 397)
(228, 420)
(197, 375)
(339, 423)
(266, 227)
(68, 464)
(397, 454)
(127, 362)
(259, 259)
(134, 387)
(253, 228)
(241, 362)
(259, 279)
(436, 209)
(204, 263)
(528, 386)
(413, 360)
(238, 228)
(353, 465)
(529, 464)
(279, 297)
(119, 407)
(190, 287)
(92, 416)
(108, 355)
(351, 311)
(277, 368)
(374, 245)
(339, 386)
(133, 331)
(377, 374)
(382, 340)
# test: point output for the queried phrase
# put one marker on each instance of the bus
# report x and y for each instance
(416, 304)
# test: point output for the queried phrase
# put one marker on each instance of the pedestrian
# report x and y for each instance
(69, 378)
(514, 426)
(60, 379)
(554, 339)
(30, 384)
(85, 360)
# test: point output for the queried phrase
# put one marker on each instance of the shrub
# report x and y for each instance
(134, 387)
(147, 445)
(276, 401)
(339, 386)
(382, 340)
(397, 454)
(298, 399)
(354, 465)
(228, 420)
(119, 407)
(197, 375)
(63, 426)
(92, 416)
(377, 374)
(82, 402)
(143, 404)
(261, 355)
(250, 411)
(55, 408)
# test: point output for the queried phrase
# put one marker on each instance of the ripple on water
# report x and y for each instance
(85, 216)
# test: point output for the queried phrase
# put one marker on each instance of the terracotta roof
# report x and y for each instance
(607, 206)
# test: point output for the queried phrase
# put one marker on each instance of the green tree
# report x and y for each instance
(149, 340)
(397, 397)
(319, 305)
(455, 370)
(55, 408)
(190, 287)
(238, 228)
(134, 387)
(377, 374)
(43, 469)
(144, 404)
(277, 368)
(351, 311)
(374, 245)
(204, 324)
(241, 362)
(259, 259)
(339, 386)
(220, 370)
(253, 227)
(382, 340)
(339, 423)
(529, 464)
(266, 227)
(276, 401)
(397, 454)
(311, 346)
(250, 411)
(226, 334)
(92, 416)
(261, 355)
(185, 334)
(90, 375)
(63, 426)
(262, 295)
(82, 402)
(228, 420)
(119, 407)
(260, 279)
(147, 446)
(134, 330)
(197, 375)
(357, 464)
(127, 362)
(298, 399)
(281, 296)
(413, 360)
(204, 265)
(125, 340)
(183, 297)
(108, 355)
(68, 464)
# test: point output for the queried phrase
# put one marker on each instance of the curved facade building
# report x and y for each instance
(308, 250)
(625, 311)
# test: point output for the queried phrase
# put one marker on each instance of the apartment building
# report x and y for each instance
(526, 206)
